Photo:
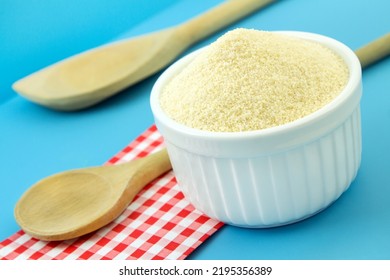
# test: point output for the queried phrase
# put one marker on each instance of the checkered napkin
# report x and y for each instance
(159, 224)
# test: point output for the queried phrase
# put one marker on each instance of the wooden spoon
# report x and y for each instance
(90, 77)
(77, 202)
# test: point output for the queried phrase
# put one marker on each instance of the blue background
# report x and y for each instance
(36, 142)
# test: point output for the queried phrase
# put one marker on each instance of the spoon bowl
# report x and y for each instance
(73, 203)
(90, 77)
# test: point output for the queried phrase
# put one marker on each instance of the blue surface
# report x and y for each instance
(36, 142)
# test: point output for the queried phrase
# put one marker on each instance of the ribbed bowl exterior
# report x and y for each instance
(274, 189)
(273, 176)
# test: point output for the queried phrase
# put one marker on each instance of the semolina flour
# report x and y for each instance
(251, 80)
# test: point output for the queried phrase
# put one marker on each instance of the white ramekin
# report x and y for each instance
(273, 176)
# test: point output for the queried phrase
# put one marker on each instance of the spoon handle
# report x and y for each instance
(374, 51)
(211, 21)
(146, 170)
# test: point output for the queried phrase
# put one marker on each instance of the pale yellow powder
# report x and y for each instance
(251, 80)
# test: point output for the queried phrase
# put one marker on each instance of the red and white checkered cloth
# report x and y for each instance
(159, 224)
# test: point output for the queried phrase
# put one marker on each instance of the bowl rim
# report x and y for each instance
(341, 49)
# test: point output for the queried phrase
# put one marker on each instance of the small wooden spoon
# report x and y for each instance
(77, 202)
(90, 77)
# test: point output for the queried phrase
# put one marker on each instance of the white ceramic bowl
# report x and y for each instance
(273, 176)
